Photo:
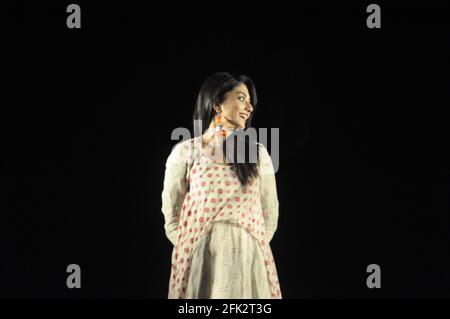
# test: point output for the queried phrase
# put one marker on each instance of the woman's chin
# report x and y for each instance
(241, 123)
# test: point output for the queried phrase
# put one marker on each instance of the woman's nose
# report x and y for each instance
(249, 107)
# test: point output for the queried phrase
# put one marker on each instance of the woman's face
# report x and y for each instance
(236, 108)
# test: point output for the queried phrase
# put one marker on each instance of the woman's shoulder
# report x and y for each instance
(263, 151)
(183, 151)
(261, 145)
(265, 160)
(184, 144)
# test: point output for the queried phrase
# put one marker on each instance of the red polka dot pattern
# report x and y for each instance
(217, 197)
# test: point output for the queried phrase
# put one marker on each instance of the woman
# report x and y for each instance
(221, 212)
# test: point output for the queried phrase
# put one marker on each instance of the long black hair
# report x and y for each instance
(212, 92)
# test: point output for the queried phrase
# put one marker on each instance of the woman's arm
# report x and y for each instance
(174, 191)
(268, 192)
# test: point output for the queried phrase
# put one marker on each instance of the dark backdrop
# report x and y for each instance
(87, 117)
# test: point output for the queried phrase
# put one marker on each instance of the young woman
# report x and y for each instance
(220, 212)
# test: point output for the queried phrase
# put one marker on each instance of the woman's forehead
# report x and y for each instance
(241, 88)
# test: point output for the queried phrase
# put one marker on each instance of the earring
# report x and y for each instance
(218, 120)
(219, 126)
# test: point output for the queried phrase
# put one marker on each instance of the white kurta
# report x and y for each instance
(220, 229)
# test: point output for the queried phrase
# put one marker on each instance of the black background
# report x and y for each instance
(362, 113)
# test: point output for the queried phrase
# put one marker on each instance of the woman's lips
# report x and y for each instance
(244, 116)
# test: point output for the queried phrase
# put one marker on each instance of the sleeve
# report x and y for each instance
(174, 191)
(268, 193)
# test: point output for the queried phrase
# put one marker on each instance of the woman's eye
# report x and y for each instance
(241, 98)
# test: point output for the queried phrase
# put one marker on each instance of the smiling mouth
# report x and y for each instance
(244, 116)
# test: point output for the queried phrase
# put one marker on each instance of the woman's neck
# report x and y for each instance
(213, 138)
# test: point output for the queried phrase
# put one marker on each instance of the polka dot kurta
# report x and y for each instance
(220, 229)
